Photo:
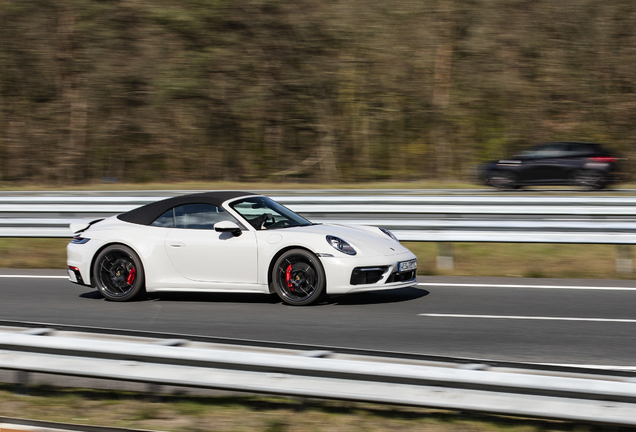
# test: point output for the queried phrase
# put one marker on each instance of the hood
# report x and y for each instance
(366, 240)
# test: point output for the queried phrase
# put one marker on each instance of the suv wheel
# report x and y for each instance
(589, 179)
(502, 180)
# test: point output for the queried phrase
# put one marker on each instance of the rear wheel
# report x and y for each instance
(589, 179)
(118, 273)
(298, 277)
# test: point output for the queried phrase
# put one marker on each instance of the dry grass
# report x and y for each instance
(247, 413)
(33, 253)
(523, 260)
(471, 259)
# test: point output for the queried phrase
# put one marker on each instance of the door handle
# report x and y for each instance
(177, 244)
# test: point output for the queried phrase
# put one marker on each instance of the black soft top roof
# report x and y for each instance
(145, 215)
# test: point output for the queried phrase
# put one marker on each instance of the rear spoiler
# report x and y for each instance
(82, 225)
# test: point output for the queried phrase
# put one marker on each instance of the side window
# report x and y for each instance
(573, 150)
(200, 216)
(552, 150)
(537, 152)
(584, 150)
(166, 220)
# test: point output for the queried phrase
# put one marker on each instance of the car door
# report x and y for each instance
(554, 164)
(200, 253)
(530, 166)
(542, 164)
(571, 161)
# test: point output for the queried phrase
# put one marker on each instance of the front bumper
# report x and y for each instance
(344, 273)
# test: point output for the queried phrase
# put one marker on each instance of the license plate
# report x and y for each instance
(407, 265)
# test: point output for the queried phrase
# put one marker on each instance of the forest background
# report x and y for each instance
(305, 90)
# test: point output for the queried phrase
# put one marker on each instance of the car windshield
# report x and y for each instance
(265, 213)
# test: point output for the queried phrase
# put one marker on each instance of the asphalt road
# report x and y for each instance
(584, 322)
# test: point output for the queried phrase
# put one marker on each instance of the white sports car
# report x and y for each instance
(233, 241)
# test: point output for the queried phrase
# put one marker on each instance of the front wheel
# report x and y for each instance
(118, 273)
(502, 180)
(298, 277)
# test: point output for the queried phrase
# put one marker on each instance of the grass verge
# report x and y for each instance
(33, 253)
(248, 413)
(572, 261)
(470, 259)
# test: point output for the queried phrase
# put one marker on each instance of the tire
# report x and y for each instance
(502, 180)
(298, 277)
(589, 179)
(118, 273)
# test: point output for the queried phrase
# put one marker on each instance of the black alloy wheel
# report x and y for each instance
(298, 277)
(118, 273)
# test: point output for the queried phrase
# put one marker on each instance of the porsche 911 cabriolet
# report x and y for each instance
(231, 241)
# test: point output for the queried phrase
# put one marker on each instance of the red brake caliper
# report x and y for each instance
(288, 277)
(131, 276)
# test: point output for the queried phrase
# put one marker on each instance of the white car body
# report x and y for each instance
(181, 259)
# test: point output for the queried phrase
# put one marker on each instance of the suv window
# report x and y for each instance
(545, 151)
(579, 150)
(193, 216)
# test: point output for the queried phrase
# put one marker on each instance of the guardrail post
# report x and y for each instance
(154, 392)
(445, 260)
(22, 382)
(624, 259)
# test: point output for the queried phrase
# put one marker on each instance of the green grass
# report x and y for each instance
(248, 413)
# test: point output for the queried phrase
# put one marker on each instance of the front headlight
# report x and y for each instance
(341, 245)
(389, 233)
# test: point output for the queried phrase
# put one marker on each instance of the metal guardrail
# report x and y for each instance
(600, 220)
(322, 374)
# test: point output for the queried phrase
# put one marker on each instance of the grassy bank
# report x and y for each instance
(249, 413)
(471, 259)
(523, 260)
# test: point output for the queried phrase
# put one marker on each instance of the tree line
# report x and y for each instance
(307, 90)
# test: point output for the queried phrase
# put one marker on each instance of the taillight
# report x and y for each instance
(604, 159)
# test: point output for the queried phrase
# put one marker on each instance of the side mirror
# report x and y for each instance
(228, 226)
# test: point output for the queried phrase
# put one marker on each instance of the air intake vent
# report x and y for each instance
(367, 275)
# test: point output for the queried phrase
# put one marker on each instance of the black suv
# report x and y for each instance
(561, 163)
